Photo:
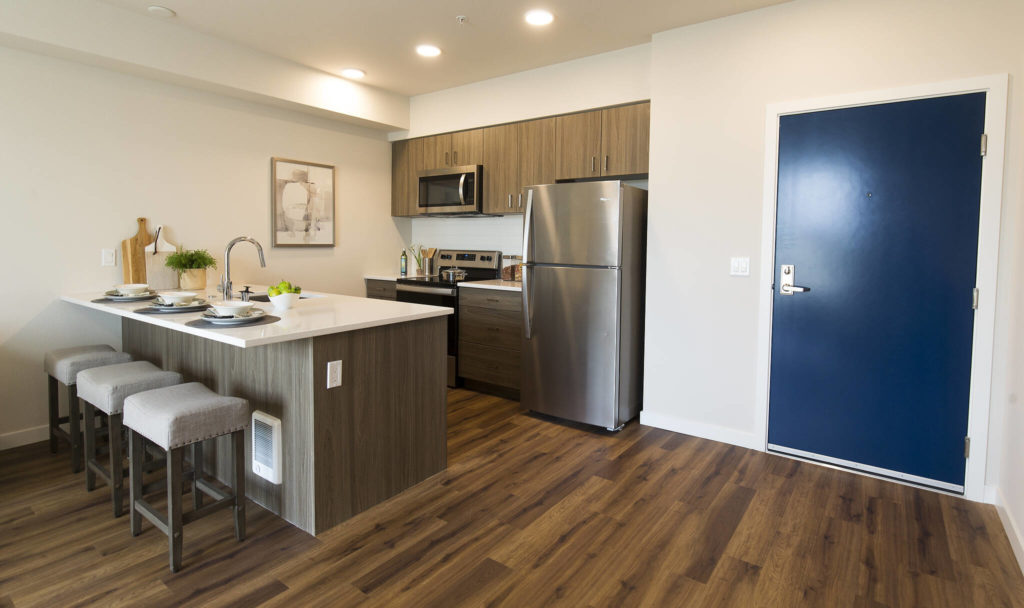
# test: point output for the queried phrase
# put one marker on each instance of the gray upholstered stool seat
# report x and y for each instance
(105, 388)
(184, 414)
(62, 366)
(174, 418)
(65, 363)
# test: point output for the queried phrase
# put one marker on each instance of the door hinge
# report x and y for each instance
(974, 298)
(967, 447)
(984, 144)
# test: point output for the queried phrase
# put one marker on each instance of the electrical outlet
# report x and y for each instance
(108, 257)
(333, 374)
(739, 267)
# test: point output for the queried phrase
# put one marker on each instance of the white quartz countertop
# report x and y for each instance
(495, 284)
(319, 315)
(382, 277)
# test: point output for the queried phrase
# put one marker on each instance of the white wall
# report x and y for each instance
(85, 151)
(710, 85)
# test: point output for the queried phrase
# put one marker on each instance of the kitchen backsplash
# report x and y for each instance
(504, 233)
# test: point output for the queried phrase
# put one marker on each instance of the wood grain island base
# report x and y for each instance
(345, 449)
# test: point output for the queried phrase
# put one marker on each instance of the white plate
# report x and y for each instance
(197, 305)
(193, 304)
(113, 295)
(254, 315)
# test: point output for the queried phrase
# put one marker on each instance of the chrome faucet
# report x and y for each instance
(226, 285)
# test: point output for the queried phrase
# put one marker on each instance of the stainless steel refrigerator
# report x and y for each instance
(583, 301)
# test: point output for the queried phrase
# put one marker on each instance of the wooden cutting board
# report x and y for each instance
(133, 254)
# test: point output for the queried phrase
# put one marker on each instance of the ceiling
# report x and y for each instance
(379, 36)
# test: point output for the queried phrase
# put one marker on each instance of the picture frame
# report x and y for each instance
(302, 209)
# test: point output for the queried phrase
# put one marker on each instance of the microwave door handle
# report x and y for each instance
(462, 189)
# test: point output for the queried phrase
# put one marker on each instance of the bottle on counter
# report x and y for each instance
(403, 264)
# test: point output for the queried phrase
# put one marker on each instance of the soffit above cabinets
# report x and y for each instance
(380, 37)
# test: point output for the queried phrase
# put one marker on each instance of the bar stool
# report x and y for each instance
(105, 388)
(175, 418)
(62, 367)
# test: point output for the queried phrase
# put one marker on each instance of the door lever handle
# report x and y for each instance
(787, 288)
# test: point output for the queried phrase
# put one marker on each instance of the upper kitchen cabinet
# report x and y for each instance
(403, 202)
(578, 145)
(536, 153)
(501, 169)
(603, 143)
(625, 139)
(434, 152)
(467, 148)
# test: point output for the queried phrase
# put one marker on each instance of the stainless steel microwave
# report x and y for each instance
(450, 191)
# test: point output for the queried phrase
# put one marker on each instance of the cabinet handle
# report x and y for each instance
(520, 200)
(455, 157)
(446, 159)
(606, 162)
(509, 201)
(593, 162)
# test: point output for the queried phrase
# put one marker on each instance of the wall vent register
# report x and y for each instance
(266, 446)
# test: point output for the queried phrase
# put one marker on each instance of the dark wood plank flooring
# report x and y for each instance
(531, 513)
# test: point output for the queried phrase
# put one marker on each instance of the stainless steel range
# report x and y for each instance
(442, 289)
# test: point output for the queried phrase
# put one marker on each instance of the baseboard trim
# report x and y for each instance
(700, 429)
(23, 437)
(1013, 531)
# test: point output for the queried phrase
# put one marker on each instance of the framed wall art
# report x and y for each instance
(303, 203)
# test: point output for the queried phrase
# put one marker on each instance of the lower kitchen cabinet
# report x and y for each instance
(490, 334)
(380, 290)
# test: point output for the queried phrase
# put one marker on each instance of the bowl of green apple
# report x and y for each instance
(284, 295)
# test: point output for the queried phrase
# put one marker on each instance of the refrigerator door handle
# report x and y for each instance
(527, 316)
(527, 221)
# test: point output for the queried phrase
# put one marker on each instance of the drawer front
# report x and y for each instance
(487, 364)
(491, 298)
(491, 327)
(381, 290)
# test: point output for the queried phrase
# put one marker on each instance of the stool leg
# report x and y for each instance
(136, 456)
(116, 463)
(197, 474)
(89, 415)
(51, 385)
(174, 458)
(74, 426)
(238, 482)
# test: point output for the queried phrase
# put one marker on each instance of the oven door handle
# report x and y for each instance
(437, 291)
(462, 189)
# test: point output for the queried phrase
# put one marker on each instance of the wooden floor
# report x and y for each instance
(531, 513)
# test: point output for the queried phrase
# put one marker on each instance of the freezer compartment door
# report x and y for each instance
(574, 224)
(570, 359)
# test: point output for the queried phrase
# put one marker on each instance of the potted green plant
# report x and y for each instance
(191, 265)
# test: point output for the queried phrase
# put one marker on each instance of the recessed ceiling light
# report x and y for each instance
(161, 11)
(428, 50)
(353, 73)
(539, 17)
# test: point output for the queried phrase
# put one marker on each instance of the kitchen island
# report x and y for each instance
(346, 448)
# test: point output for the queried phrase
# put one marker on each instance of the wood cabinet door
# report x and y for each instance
(578, 145)
(433, 152)
(501, 169)
(536, 155)
(625, 139)
(401, 201)
(467, 148)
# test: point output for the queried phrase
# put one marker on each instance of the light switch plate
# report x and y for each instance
(333, 374)
(108, 257)
(739, 267)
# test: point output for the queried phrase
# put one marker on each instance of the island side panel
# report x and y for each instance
(275, 378)
(384, 429)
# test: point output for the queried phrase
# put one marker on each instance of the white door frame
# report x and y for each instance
(988, 247)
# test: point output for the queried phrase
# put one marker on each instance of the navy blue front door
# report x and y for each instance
(878, 215)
